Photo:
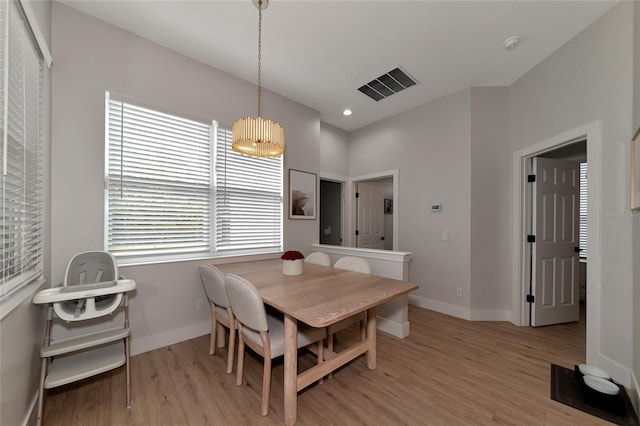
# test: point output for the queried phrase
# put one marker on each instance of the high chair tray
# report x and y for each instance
(83, 291)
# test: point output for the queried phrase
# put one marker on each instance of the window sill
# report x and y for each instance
(17, 298)
(228, 258)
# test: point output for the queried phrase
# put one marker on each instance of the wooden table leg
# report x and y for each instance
(290, 370)
(371, 337)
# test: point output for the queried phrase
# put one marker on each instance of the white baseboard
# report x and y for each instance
(443, 308)
(618, 372)
(635, 393)
(459, 311)
(30, 417)
(490, 315)
(393, 328)
(149, 343)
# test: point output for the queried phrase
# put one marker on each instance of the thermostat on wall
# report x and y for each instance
(436, 208)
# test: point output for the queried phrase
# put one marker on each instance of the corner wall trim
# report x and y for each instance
(393, 328)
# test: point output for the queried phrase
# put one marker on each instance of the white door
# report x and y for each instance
(555, 271)
(370, 207)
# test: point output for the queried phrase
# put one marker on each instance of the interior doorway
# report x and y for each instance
(331, 211)
(558, 213)
(388, 182)
(520, 278)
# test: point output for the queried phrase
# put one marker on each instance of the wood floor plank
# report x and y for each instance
(448, 371)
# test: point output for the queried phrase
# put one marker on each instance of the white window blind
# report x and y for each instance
(21, 169)
(159, 183)
(248, 200)
(583, 210)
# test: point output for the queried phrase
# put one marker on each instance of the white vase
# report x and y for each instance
(292, 267)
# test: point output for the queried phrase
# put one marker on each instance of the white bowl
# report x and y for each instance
(601, 385)
(591, 370)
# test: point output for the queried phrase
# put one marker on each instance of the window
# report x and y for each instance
(248, 200)
(171, 195)
(21, 70)
(583, 210)
(159, 183)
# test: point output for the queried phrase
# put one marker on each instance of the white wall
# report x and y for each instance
(588, 79)
(490, 189)
(429, 145)
(91, 56)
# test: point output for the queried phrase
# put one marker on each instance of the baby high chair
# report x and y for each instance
(91, 288)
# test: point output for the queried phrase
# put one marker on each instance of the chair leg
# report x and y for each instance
(320, 358)
(43, 374)
(212, 339)
(231, 349)
(240, 365)
(266, 386)
(127, 351)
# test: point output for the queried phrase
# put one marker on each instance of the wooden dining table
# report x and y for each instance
(319, 297)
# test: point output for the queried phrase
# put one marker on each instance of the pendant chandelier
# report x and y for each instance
(256, 136)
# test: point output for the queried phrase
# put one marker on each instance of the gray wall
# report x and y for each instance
(429, 145)
(636, 219)
(490, 189)
(92, 56)
(587, 79)
(334, 150)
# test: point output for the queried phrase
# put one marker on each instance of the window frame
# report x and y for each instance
(213, 250)
(30, 143)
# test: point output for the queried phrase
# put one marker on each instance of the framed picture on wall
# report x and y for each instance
(635, 171)
(302, 194)
(388, 206)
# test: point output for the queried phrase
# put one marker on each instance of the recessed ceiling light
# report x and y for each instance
(347, 112)
(511, 43)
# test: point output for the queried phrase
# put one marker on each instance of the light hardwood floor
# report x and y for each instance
(447, 372)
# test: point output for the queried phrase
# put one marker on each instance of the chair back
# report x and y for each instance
(319, 258)
(90, 267)
(355, 264)
(246, 303)
(213, 282)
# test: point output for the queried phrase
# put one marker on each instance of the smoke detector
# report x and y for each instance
(511, 43)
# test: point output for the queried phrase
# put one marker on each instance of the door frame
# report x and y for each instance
(520, 248)
(351, 205)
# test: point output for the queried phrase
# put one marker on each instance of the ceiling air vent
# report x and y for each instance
(387, 84)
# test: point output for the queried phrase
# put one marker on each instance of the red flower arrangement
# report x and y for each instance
(292, 255)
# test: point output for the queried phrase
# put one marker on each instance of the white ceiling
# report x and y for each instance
(319, 52)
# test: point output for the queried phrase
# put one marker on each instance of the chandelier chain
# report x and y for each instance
(259, 54)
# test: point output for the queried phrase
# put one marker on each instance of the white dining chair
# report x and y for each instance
(355, 264)
(221, 312)
(318, 258)
(263, 332)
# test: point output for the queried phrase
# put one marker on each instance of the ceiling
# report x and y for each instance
(319, 52)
